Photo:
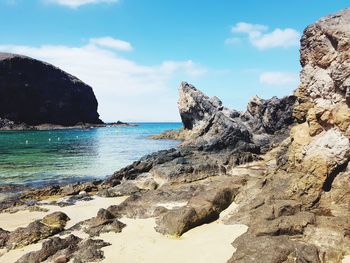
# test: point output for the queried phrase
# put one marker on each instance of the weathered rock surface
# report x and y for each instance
(34, 92)
(37, 230)
(103, 222)
(202, 208)
(71, 248)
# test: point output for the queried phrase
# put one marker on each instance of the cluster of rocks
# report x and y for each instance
(69, 249)
(34, 232)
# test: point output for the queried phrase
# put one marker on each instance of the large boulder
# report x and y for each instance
(34, 92)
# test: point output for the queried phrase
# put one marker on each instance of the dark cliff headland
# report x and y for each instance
(284, 162)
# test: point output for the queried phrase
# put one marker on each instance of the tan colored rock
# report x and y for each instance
(302, 105)
(341, 116)
(326, 152)
(314, 126)
(56, 220)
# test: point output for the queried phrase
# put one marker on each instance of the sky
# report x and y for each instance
(135, 53)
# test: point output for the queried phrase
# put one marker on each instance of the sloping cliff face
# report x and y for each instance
(302, 212)
(320, 145)
(34, 92)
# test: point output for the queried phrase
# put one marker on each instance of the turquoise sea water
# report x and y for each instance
(40, 157)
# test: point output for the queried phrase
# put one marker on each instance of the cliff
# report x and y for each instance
(33, 93)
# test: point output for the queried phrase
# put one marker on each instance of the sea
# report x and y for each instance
(59, 156)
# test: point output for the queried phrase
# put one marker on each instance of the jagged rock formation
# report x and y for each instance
(34, 92)
(210, 125)
(215, 138)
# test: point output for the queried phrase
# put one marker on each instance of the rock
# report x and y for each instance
(102, 223)
(50, 248)
(269, 116)
(56, 220)
(37, 230)
(212, 126)
(286, 225)
(72, 249)
(202, 208)
(4, 236)
(125, 188)
(45, 94)
(97, 226)
(266, 249)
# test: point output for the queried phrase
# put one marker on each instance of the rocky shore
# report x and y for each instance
(274, 177)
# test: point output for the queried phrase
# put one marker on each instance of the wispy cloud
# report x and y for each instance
(124, 88)
(279, 78)
(260, 37)
(113, 43)
(78, 3)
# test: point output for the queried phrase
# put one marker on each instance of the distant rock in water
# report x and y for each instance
(35, 92)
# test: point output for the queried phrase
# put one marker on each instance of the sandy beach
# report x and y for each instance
(138, 242)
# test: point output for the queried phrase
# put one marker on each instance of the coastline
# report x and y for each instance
(48, 126)
(137, 241)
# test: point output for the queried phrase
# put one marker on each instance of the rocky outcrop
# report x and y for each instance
(202, 208)
(215, 138)
(211, 126)
(103, 222)
(320, 146)
(71, 248)
(312, 161)
(34, 92)
(37, 230)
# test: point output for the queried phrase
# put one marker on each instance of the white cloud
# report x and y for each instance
(125, 89)
(260, 38)
(251, 29)
(78, 3)
(279, 78)
(112, 43)
(233, 41)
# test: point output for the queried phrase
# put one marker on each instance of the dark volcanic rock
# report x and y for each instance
(104, 222)
(4, 236)
(269, 116)
(34, 92)
(72, 249)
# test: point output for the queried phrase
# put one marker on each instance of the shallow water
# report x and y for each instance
(40, 157)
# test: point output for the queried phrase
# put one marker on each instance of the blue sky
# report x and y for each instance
(135, 53)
